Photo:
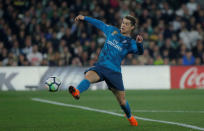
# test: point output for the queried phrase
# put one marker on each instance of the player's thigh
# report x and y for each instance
(92, 76)
(120, 96)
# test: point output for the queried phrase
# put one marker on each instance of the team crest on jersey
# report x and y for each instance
(114, 32)
(124, 41)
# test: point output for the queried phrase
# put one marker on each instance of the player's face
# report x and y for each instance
(126, 26)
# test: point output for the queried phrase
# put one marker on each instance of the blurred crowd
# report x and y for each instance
(34, 33)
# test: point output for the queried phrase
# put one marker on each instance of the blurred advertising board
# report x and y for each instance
(187, 76)
(134, 77)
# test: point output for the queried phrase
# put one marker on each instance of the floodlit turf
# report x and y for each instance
(19, 112)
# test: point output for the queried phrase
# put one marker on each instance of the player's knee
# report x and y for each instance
(88, 78)
(92, 76)
(122, 102)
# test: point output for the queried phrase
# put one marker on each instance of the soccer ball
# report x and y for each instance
(53, 83)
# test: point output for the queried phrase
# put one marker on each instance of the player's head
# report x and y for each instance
(128, 24)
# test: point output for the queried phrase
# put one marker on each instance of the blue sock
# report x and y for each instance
(83, 85)
(126, 109)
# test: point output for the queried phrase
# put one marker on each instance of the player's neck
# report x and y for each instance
(126, 34)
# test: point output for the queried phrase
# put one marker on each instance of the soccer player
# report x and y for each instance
(108, 68)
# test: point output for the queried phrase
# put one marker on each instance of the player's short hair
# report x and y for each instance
(132, 19)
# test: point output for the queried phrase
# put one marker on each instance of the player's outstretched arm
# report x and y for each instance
(97, 23)
(139, 40)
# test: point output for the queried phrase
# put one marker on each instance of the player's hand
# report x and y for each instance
(139, 38)
(79, 17)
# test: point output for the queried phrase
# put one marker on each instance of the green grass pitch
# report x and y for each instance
(19, 112)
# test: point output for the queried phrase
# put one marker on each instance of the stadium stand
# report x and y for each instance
(43, 33)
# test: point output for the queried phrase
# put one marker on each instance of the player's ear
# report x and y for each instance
(132, 27)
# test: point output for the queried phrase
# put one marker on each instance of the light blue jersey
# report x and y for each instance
(116, 47)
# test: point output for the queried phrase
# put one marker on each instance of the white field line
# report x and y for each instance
(168, 111)
(161, 111)
(116, 114)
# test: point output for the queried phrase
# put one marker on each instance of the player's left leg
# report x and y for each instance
(120, 96)
(90, 77)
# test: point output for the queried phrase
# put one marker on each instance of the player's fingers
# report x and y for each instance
(139, 38)
(76, 19)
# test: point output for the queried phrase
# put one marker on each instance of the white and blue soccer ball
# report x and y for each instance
(53, 83)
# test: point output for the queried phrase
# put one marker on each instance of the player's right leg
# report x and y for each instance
(90, 77)
(120, 96)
